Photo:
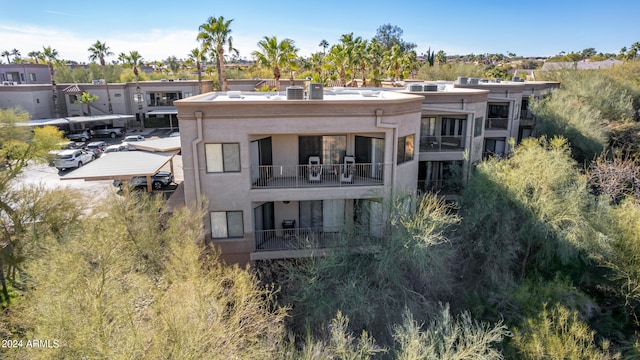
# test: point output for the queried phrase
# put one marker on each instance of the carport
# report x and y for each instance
(124, 166)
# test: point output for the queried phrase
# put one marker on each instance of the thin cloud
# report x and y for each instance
(58, 13)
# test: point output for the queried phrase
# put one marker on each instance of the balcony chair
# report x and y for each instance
(349, 167)
(315, 168)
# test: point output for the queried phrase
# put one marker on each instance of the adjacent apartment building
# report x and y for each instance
(279, 169)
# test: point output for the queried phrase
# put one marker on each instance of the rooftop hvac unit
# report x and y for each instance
(473, 81)
(98, 82)
(295, 93)
(415, 87)
(431, 87)
(316, 91)
(462, 80)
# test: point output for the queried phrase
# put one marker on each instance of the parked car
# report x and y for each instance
(175, 134)
(107, 130)
(78, 135)
(115, 148)
(158, 181)
(131, 140)
(66, 145)
(75, 158)
(97, 147)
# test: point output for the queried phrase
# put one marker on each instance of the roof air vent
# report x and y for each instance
(234, 94)
(430, 87)
(295, 93)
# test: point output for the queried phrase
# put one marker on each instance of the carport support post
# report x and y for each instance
(149, 184)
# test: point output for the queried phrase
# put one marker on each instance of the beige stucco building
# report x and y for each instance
(279, 167)
(272, 169)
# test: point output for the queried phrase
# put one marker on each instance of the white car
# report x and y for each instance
(115, 148)
(131, 140)
(69, 159)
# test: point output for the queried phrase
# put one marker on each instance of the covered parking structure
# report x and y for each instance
(124, 166)
(82, 122)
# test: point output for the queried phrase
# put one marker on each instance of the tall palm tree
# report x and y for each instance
(216, 34)
(199, 56)
(393, 59)
(6, 53)
(35, 55)
(375, 53)
(360, 59)
(338, 61)
(16, 54)
(348, 46)
(276, 55)
(50, 56)
(324, 45)
(99, 51)
(134, 60)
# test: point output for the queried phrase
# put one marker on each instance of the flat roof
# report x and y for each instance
(163, 112)
(335, 94)
(171, 143)
(122, 165)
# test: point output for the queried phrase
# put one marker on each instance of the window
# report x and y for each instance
(405, 149)
(117, 95)
(21, 76)
(226, 224)
(477, 127)
(32, 77)
(222, 157)
(73, 99)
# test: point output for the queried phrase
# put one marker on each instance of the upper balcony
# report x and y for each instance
(317, 175)
(497, 124)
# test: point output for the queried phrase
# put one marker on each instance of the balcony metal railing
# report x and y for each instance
(303, 176)
(308, 238)
(497, 123)
(446, 186)
(442, 143)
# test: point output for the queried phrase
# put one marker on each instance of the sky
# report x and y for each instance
(159, 29)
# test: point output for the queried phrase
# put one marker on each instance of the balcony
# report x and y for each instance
(305, 176)
(497, 124)
(306, 238)
(442, 143)
(444, 187)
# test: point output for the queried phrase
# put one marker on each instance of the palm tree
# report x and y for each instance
(215, 35)
(134, 61)
(99, 51)
(276, 55)
(361, 58)
(199, 56)
(50, 56)
(338, 61)
(35, 55)
(375, 53)
(16, 54)
(324, 45)
(6, 53)
(393, 58)
(87, 98)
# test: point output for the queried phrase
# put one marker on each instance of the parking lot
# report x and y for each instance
(49, 177)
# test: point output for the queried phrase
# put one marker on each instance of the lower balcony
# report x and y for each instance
(317, 175)
(307, 239)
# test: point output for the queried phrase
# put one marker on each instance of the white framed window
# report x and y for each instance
(226, 224)
(223, 157)
(32, 76)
